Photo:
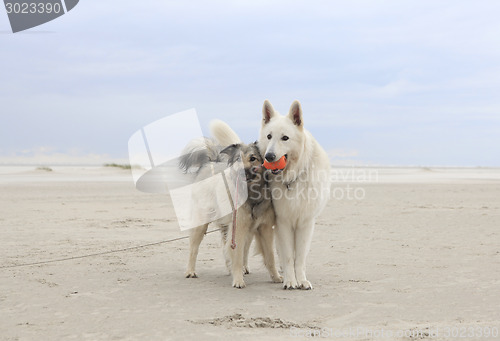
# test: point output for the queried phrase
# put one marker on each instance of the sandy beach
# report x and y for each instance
(398, 254)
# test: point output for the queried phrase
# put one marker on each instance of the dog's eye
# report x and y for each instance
(253, 158)
(269, 136)
(285, 138)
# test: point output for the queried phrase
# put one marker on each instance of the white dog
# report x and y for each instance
(300, 187)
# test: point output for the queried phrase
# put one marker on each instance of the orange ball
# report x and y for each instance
(280, 164)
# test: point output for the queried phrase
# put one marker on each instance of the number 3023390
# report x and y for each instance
(32, 8)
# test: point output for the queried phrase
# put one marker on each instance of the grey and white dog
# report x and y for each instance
(255, 217)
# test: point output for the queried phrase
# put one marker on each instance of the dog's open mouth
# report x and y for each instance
(279, 170)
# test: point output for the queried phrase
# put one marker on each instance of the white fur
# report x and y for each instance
(307, 172)
(223, 133)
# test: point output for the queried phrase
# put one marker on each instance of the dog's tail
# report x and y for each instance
(198, 153)
(223, 133)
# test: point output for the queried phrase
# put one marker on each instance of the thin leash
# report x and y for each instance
(99, 253)
(233, 241)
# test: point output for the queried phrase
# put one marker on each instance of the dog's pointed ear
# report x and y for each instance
(267, 112)
(233, 151)
(295, 114)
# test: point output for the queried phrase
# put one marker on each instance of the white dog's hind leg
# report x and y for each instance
(285, 243)
(195, 237)
(303, 237)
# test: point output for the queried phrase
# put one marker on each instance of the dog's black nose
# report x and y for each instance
(270, 157)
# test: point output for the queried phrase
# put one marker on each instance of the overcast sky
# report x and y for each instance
(380, 82)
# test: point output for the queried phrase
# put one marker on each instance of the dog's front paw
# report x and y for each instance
(239, 283)
(246, 270)
(190, 274)
(277, 278)
(290, 284)
(305, 285)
